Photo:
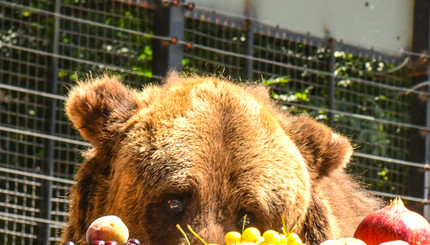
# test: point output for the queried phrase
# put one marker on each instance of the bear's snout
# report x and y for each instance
(212, 233)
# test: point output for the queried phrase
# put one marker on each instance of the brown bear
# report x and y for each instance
(202, 151)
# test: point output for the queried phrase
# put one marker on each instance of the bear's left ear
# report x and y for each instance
(99, 109)
(322, 148)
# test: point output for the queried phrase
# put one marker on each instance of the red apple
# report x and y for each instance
(394, 222)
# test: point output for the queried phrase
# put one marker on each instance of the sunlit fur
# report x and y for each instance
(225, 149)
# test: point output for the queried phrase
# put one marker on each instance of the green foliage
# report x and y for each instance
(289, 95)
(367, 106)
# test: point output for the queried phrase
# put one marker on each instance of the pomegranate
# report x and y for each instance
(394, 222)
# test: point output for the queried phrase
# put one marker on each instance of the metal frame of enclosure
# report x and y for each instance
(379, 100)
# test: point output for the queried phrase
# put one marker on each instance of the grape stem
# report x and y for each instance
(183, 233)
(244, 222)
(195, 234)
(284, 227)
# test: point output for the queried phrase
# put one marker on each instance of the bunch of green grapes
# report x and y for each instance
(252, 235)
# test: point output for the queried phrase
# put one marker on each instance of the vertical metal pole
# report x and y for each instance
(426, 194)
(420, 113)
(426, 207)
(49, 168)
(331, 45)
(249, 49)
(249, 32)
(169, 22)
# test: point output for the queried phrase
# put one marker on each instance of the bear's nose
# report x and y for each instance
(212, 233)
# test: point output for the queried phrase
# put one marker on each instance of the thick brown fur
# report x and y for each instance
(219, 151)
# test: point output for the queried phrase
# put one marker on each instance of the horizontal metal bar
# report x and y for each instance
(20, 194)
(45, 136)
(364, 117)
(28, 209)
(21, 181)
(392, 160)
(60, 213)
(17, 233)
(400, 90)
(236, 21)
(101, 65)
(82, 21)
(408, 52)
(18, 218)
(413, 199)
(31, 91)
(38, 176)
(218, 17)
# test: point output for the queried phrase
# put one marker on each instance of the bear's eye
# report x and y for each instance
(245, 220)
(175, 205)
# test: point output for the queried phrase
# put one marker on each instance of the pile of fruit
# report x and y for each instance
(392, 225)
(252, 236)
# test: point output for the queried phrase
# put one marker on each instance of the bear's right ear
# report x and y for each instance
(99, 108)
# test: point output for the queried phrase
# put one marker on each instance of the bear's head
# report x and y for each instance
(199, 151)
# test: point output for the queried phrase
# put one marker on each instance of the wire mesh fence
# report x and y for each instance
(46, 46)
(367, 103)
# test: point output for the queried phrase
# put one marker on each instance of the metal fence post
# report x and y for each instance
(426, 193)
(331, 45)
(249, 32)
(426, 209)
(51, 128)
(249, 49)
(420, 112)
(169, 21)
